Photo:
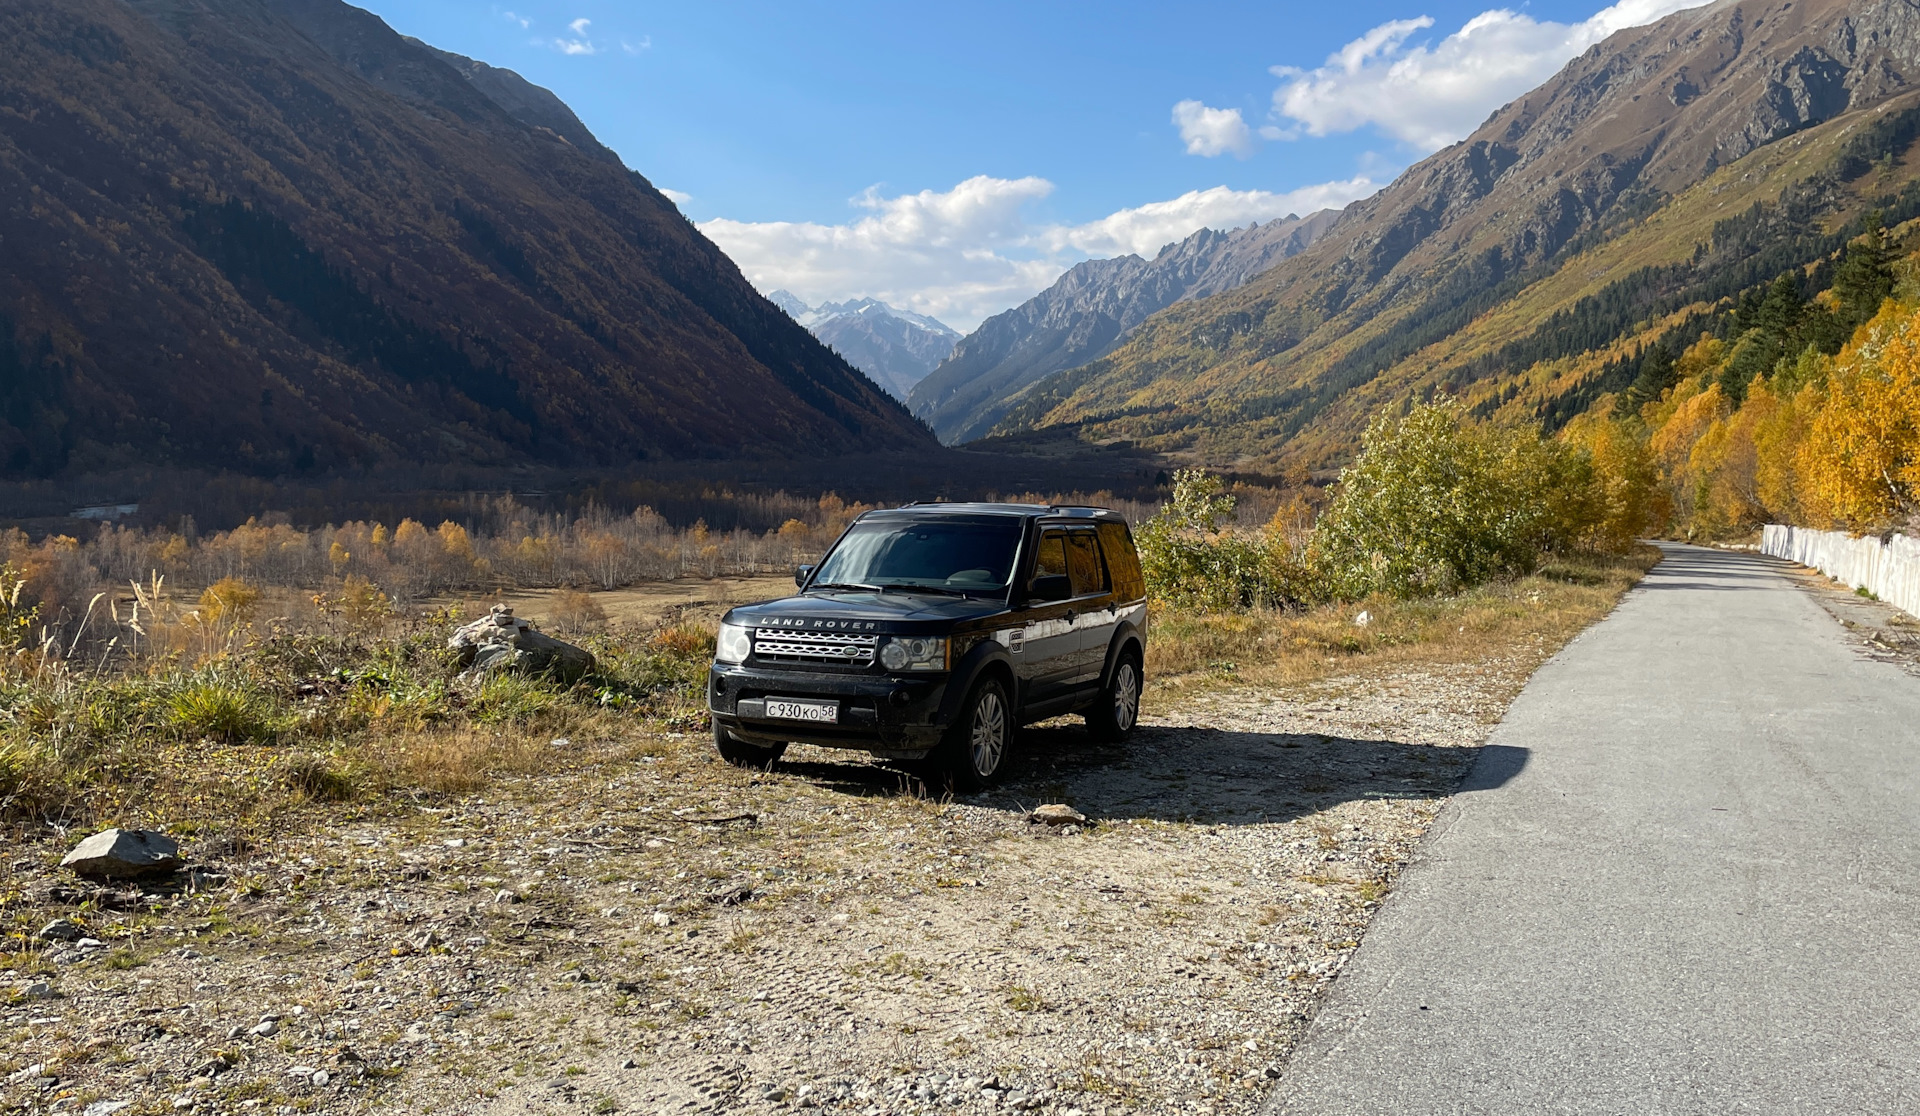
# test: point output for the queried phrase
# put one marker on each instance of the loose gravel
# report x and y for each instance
(656, 932)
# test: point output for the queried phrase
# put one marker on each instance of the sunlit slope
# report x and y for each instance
(1451, 277)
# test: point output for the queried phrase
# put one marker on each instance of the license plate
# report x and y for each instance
(824, 712)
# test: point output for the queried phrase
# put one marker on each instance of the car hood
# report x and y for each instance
(889, 611)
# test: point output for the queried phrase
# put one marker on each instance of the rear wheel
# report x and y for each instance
(976, 745)
(742, 754)
(1119, 706)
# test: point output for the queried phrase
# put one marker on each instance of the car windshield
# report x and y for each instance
(954, 555)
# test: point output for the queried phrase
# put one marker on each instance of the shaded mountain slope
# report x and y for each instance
(274, 236)
(1288, 365)
(1090, 310)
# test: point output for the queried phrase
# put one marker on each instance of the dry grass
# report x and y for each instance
(1283, 647)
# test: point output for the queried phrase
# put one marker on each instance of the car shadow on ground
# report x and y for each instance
(1187, 774)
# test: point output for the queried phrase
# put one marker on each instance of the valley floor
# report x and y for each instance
(653, 931)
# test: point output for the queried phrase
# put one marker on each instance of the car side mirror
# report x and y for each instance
(1050, 587)
(800, 576)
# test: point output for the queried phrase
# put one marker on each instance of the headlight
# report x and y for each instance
(734, 645)
(903, 653)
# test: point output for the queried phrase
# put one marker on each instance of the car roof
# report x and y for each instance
(1025, 511)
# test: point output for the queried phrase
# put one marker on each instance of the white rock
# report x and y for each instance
(1363, 619)
(1055, 813)
(662, 918)
(106, 1108)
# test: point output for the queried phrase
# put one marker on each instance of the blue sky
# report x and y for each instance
(953, 159)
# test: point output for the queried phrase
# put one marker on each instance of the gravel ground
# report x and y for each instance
(656, 932)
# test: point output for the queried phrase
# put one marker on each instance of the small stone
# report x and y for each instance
(39, 990)
(1363, 619)
(1055, 813)
(456, 843)
(124, 853)
(662, 918)
(629, 1063)
(89, 943)
(62, 930)
(505, 896)
(106, 1108)
(263, 1029)
(321, 1078)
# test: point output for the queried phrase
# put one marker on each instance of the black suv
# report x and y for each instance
(932, 632)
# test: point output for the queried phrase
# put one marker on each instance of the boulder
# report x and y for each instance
(502, 641)
(1055, 813)
(115, 854)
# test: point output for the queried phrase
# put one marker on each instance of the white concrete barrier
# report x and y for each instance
(1889, 568)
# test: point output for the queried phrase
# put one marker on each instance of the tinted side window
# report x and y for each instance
(1051, 558)
(1122, 562)
(1083, 564)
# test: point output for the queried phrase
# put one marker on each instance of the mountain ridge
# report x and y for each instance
(275, 237)
(1647, 114)
(895, 348)
(1090, 310)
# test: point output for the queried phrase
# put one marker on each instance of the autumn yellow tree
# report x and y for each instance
(1631, 500)
(1860, 462)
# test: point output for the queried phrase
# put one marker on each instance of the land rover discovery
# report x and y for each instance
(931, 632)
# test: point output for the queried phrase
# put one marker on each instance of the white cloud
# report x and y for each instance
(1144, 230)
(579, 26)
(645, 43)
(1212, 131)
(677, 197)
(523, 21)
(972, 251)
(1430, 94)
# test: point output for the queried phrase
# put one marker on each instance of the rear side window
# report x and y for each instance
(1083, 564)
(1051, 558)
(1122, 562)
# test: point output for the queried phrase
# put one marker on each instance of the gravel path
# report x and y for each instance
(659, 933)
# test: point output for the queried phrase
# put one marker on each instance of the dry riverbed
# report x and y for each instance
(652, 931)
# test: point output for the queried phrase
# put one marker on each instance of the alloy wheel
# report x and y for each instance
(988, 741)
(1126, 696)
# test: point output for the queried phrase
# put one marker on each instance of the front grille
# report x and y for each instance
(782, 646)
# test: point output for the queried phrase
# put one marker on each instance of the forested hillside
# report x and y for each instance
(1666, 169)
(275, 237)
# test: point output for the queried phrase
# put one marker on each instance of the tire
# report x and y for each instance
(1118, 711)
(974, 752)
(739, 753)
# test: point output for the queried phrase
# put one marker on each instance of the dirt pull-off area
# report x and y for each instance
(654, 931)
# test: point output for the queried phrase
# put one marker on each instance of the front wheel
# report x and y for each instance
(1118, 710)
(976, 745)
(739, 753)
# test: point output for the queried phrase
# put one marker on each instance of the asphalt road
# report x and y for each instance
(1685, 879)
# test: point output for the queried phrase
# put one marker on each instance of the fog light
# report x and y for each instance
(899, 697)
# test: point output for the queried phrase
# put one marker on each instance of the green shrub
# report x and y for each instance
(1436, 504)
(505, 697)
(228, 712)
(1190, 561)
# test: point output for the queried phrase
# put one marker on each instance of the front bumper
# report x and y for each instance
(892, 716)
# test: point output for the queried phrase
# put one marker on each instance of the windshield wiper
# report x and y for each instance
(842, 585)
